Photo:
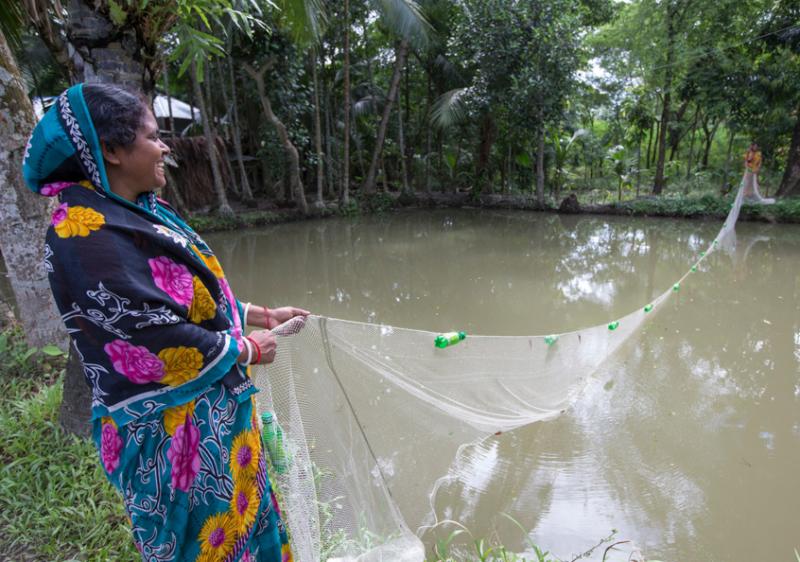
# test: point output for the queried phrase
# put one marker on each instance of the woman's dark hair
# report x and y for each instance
(117, 113)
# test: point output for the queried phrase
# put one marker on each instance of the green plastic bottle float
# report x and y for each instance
(448, 339)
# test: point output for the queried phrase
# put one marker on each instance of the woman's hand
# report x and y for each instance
(267, 344)
(277, 316)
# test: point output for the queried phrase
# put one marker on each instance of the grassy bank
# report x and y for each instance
(689, 207)
(55, 503)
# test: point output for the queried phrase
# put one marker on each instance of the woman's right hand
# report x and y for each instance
(267, 343)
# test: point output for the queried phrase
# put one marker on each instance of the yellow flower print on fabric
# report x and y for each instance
(244, 455)
(76, 221)
(286, 553)
(175, 416)
(211, 263)
(203, 306)
(217, 537)
(244, 503)
(181, 364)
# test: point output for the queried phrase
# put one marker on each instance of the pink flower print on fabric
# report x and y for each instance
(135, 362)
(236, 332)
(53, 189)
(59, 214)
(110, 447)
(184, 454)
(172, 278)
(247, 557)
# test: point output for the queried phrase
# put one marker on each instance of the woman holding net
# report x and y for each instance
(160, 335)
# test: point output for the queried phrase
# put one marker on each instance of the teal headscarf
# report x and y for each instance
(64, 137)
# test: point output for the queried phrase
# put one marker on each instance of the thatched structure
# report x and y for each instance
(193, 178)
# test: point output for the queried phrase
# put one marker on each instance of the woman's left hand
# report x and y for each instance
(277, 316)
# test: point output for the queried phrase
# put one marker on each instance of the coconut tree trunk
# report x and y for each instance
(400, 56)
(790, 183)
(23, 219)
(295, 184)
(24, 214)
(219, 189)
(428, 136)
(671, 17)
(401, 143)
(540, 168)
(320, 203)
(346, 103)
(169, 99)
(726, 170)
(329, 145)
(247, 192)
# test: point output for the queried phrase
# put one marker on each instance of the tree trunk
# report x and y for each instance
(346, 103)
(23, 220)
(320, 203)
(540, 168)
(708, 139)
(790, 184)
(296, 185)
(487, 134)
(726, 171)
(24, 214)
(247, 192)
(169, 99)
(428, 136)
(691, 146)
(402, 146)
(400, 55)
(219, 189)
(329, 146)
(649, 143)
(659, 181)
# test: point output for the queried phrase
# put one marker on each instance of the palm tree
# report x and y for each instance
(405, 19)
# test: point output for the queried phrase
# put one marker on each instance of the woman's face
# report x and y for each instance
(141, 164)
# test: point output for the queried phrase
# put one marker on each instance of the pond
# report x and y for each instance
(686, 440)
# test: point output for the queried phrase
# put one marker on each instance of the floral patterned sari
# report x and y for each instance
(158, 331)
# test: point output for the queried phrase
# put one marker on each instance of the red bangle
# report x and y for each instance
(266, 317)
(258, 349)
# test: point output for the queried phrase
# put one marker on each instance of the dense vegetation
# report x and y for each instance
(318, 99)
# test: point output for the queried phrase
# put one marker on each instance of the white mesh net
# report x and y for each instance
(375, 420)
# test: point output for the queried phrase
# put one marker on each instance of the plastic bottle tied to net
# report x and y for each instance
(273, 441)
(448, 339)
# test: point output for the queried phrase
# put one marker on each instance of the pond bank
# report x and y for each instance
(705, 207)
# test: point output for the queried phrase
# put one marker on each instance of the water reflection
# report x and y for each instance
(687, 440)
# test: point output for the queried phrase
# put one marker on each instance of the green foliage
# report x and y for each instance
(379, 202)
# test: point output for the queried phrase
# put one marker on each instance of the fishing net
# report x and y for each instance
(368, 425)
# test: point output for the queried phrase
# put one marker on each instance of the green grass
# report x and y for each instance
(712, 206)
(55, 503)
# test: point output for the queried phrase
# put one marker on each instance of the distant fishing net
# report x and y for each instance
(367, 422)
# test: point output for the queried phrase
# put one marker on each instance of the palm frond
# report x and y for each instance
(12, 24)
(368, 105)
(405, 18)
(449, 109)
(307, 19)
